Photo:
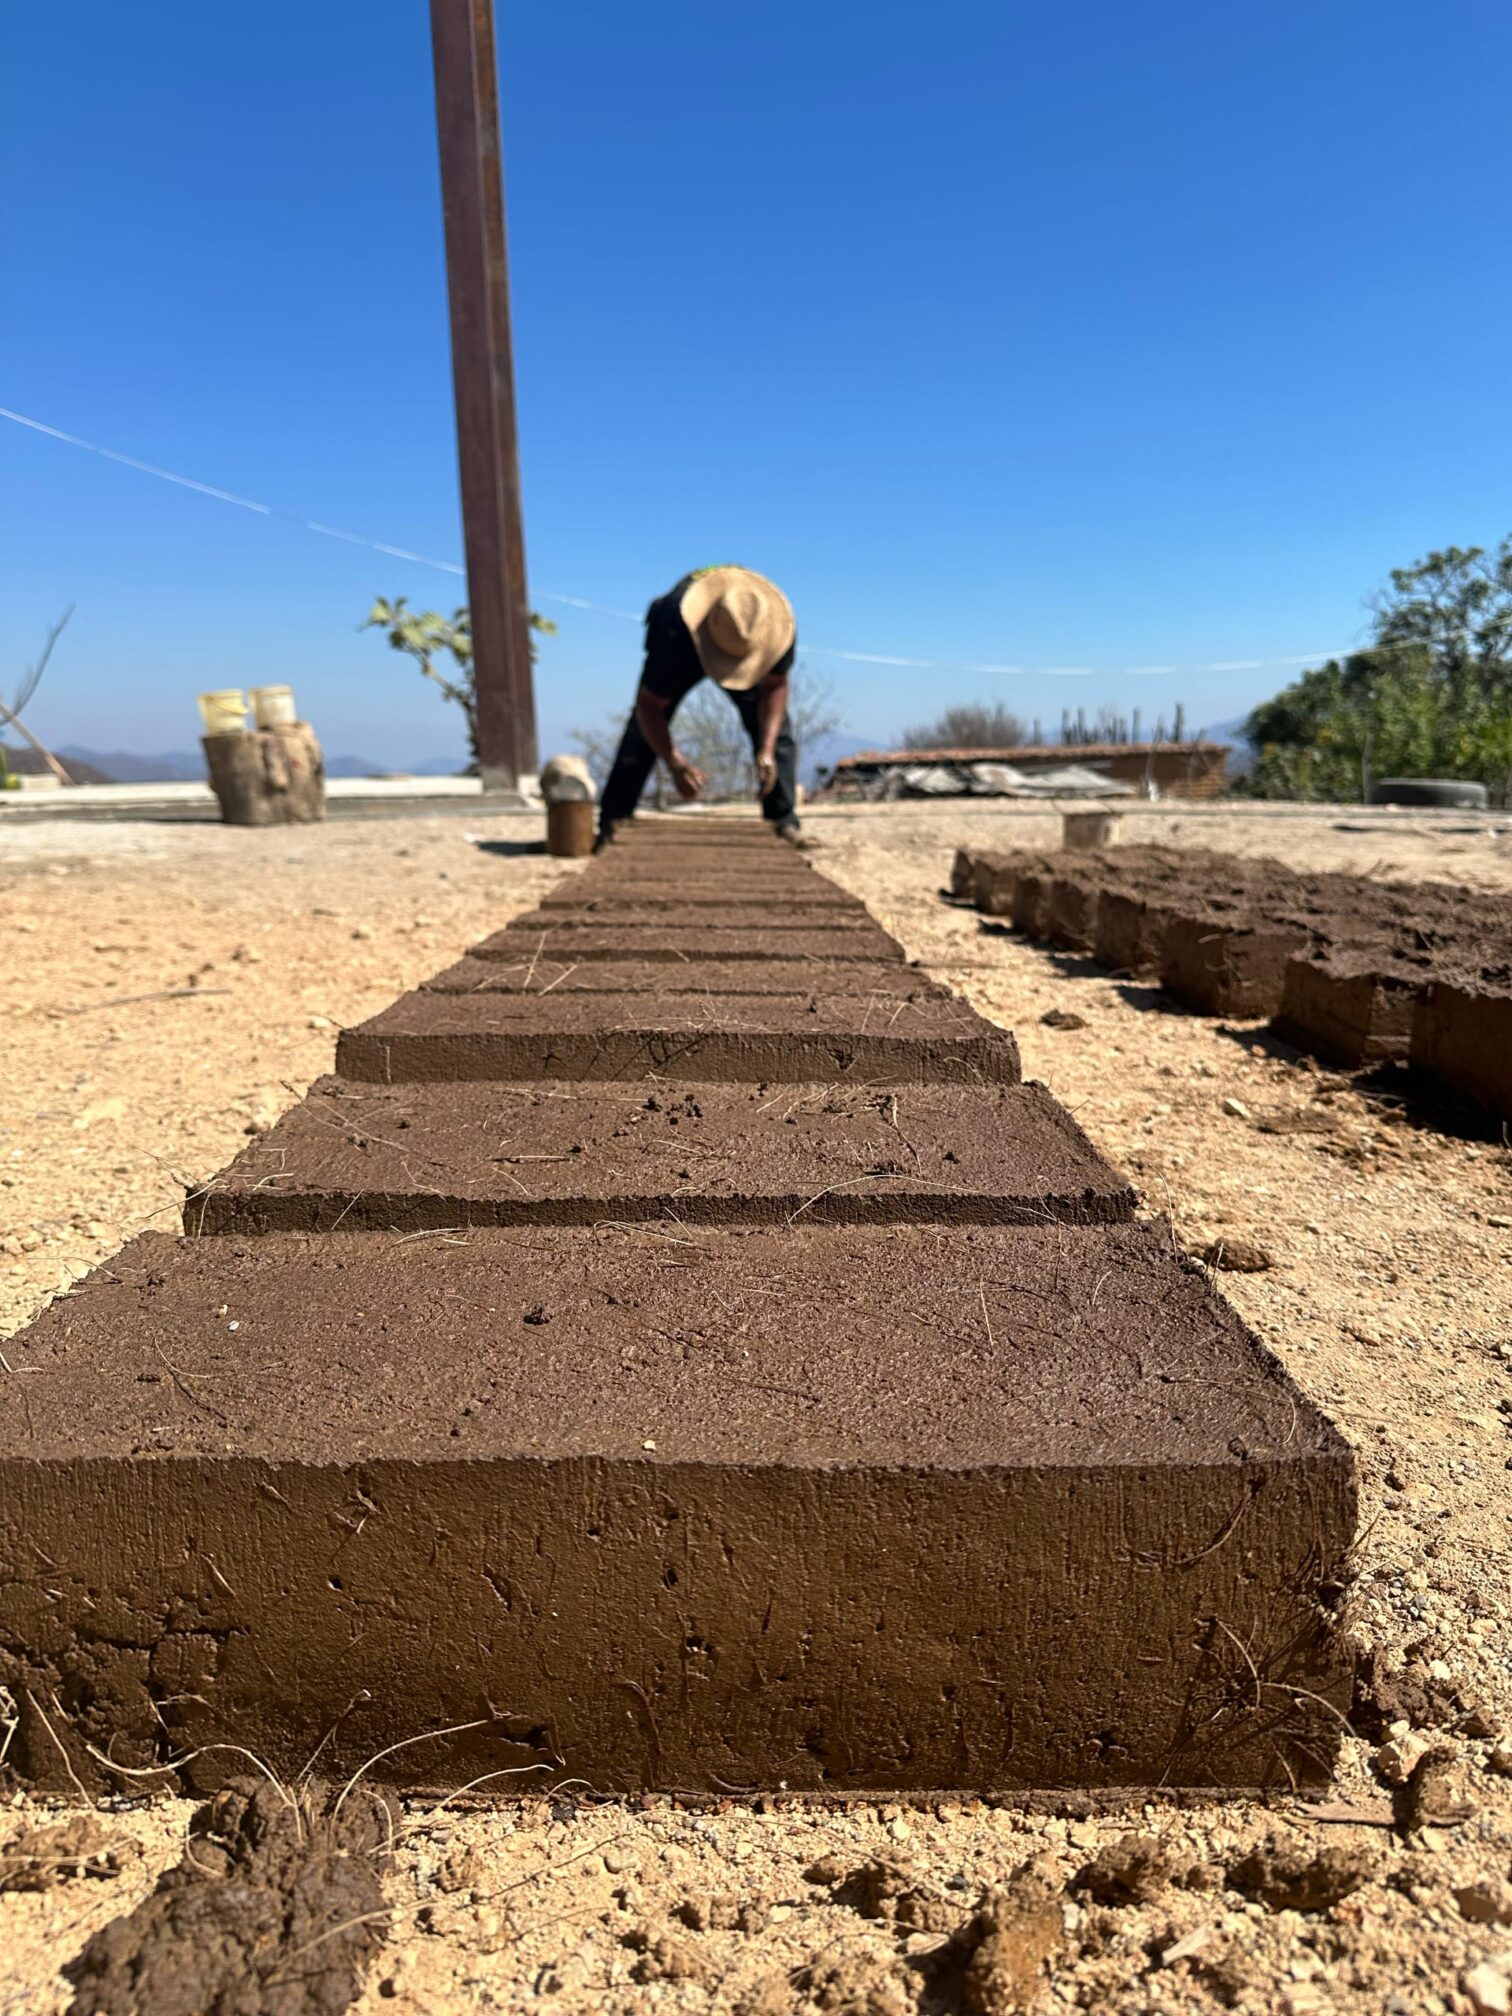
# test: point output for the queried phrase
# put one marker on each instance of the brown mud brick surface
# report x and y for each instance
(639, 895)
(673, 942)
(1462, 1033)
(666, 863)
(1131, 933)
(1223, 967)
(1389, 1298)
(963, 871)
(776, 917)
(417, 1157)
(1070, 911)
(1031, 893)
(1353, 1009)
(681, 976)
(994, 882)
(703, 888)
(731, 1038)
(839, 1509)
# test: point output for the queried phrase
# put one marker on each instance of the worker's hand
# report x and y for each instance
(766, 774)
(688, 778)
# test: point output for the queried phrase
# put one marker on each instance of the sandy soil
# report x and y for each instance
(1389, 1296)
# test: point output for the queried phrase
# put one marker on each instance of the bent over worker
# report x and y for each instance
(736, 628)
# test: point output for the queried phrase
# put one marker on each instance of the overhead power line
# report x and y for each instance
(633, 616)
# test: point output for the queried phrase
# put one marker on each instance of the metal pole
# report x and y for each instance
(472, 196)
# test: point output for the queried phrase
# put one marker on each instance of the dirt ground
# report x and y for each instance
(1389, 1295)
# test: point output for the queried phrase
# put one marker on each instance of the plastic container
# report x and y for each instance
(569, 828)
(224, 711)
(1085, 832)
(273, 706)
(565, 779)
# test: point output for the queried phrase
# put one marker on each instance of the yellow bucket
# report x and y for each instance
(224, 711)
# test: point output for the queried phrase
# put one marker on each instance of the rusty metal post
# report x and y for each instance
(472, 195)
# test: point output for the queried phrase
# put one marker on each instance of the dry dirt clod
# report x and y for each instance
(1488, 1902)
(1489, 1990)
(827, 1871)
(43, 1856)
(1397, 1759)
(1236, 1256)
(274, 1889)
(463, 1867)
(1134, 1869)
(1284, 1876)
(1479, 1724)
(1011, 1943)
(1383, 1698)
(1440, 1793)
(1063, 1018)
(877, 1889)
(892, 1892)
(856, 1987)
(667, 1958)
(771, 1996)
(723, 1914)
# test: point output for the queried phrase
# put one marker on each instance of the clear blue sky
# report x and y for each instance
(1099, 335)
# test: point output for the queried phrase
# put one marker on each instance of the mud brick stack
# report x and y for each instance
(676, 1351)
(1357, 971)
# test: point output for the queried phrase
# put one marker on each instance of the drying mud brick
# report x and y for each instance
(685, 976)
(1228, 967)
(701, 889)
(995, 883)
(837, 1509)
(1131, 933)
(776, 917)
(845, 944)
(772, 1039)
(1071, 911)
(418, 1157)
(1351, 1009)
(620, 864)
(1031, 893)
(732, 846)
(694, 906)
(1462, 1033)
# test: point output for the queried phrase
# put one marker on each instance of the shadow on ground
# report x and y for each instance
(508, 849)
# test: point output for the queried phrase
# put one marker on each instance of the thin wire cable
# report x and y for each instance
(633, 616)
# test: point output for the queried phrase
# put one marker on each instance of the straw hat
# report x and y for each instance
(741, 625)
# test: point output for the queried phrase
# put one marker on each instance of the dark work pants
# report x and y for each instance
(634, 761)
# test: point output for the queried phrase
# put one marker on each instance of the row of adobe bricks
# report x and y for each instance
(1354, 970)
(676, 1351)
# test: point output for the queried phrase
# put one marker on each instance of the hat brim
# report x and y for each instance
(771, 645)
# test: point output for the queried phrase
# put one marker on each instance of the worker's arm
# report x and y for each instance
(652, 715)
(771, 712)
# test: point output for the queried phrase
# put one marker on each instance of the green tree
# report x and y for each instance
(1431, 696)
(428, 637)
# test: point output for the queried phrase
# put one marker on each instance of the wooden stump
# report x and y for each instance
(268, 777)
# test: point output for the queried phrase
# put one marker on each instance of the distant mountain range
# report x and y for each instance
(825, 751)
(172, 766)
